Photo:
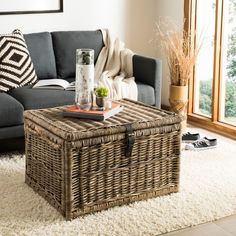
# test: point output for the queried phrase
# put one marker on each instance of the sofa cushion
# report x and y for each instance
(65, 44)
(42, 98)
(42, 54)
(146, 93)
(16, 67)
(11, 111)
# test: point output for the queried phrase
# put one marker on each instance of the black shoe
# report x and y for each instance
(202, 144)
(188, 137)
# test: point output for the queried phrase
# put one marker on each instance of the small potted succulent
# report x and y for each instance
(101, 96)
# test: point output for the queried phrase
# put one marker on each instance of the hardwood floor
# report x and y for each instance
(223, 227)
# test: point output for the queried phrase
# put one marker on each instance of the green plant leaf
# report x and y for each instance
(102, 92)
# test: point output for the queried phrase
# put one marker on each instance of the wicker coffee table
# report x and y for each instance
(83, 166)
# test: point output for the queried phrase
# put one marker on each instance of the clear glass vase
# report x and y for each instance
(84, 83)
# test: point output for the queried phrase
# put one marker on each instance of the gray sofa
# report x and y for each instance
(53, 55)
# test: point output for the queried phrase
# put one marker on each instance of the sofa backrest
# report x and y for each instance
(54, 54)
(65, 44)
(42, 54)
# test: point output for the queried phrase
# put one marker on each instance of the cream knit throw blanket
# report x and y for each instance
(114, 69)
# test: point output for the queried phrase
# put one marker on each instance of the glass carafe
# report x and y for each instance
(84, 83)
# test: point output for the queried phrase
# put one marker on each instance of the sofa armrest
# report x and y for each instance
(149, 71)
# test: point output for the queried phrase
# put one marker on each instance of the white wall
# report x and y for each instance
(141, 15)
(77, 15)
(175, 10)
(131, 20)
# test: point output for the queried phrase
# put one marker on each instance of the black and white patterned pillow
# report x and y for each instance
(16, 67)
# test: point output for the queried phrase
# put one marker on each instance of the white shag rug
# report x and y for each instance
(207, 192)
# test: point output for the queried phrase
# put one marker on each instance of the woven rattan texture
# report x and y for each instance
(80, 166)
(139, 114)
(44, 169)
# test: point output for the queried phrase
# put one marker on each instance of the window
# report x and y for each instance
(228, 82)
(212, 89)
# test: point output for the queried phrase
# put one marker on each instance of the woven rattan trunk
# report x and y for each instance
(84, 166)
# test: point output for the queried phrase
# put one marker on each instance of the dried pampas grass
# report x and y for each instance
(181, 54)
